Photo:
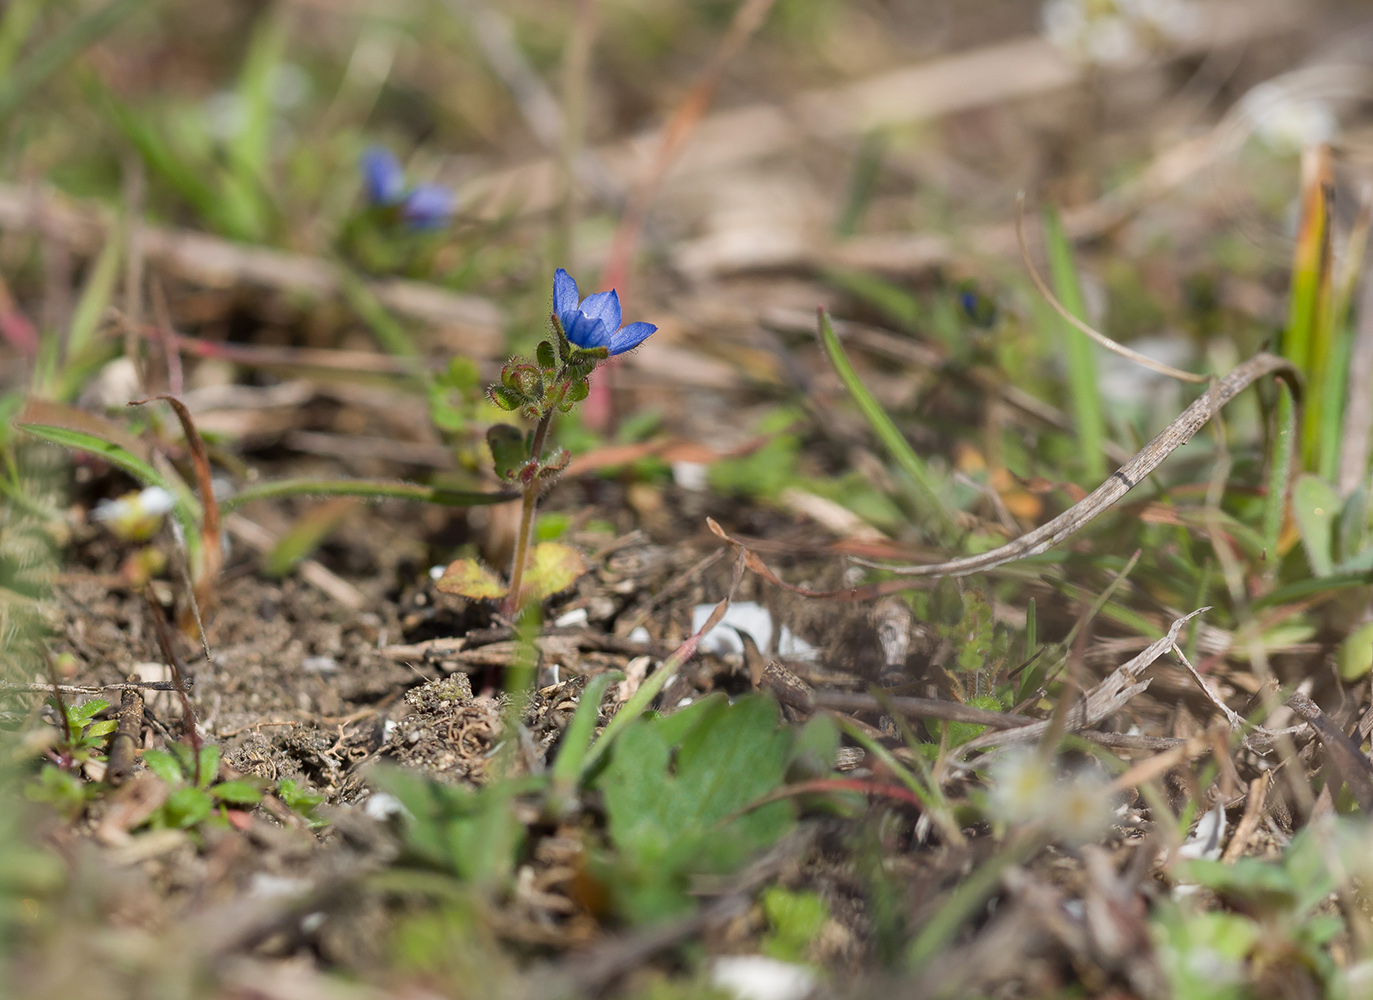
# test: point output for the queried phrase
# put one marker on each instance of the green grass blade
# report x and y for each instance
(54, 54)
(251, 146)
(95, 297)
(371, 489)
(390, 334)
(1279, 476)
(939, 518)
(888, 298)
(569, 766)
(1081, 353)
(305, 536)
(15, 28)
(115, 454)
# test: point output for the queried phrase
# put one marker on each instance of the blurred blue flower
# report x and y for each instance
(595, 320)
(426, 206)
(382, 177)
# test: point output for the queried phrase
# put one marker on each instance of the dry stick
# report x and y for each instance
(1124, 479)
(125, 742)
(1106, 697)
(13, 688)
(1092, 334)
(1349, 760)
(164, 642)
(1237, 721)
(1254, 804)
(211, 542)
(1045, 537)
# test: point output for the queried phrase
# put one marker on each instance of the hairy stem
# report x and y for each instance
(511, 606)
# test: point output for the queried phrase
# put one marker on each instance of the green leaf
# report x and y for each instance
(240, 791)
(95, 298)
(87, 709)
(98, 730)
(509, 450)
(469, 578)
(164, 765)
(110, 452)
(553, 567)
(1316, 505)
(1355, 656)
(673, 814)
(209, 764)
(186, 807)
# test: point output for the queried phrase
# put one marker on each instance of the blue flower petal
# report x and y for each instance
(604, 306)
(565, 298)
(586, 331)
(630, 337)
(382, 176)
(428, 206)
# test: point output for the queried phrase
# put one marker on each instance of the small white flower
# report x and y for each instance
(1076, 808)
(756, 977)
(135, 517)
(1286, 121)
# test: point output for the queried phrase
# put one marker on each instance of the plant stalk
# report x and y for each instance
(511, 607)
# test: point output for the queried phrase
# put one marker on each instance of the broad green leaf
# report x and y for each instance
(675, 814)
(164, 765)
(469, 578)
(88, 708)
(240, 791)
(553, 567)
(187, 806)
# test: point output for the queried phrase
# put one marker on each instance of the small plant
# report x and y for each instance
(196, 794)
(302, 801)
(81, 741)
(585, 333)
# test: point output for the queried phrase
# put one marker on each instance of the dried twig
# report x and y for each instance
(1108, 696)
(1124, 479)
(1045, 537)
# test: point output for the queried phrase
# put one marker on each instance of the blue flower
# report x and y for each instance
(382, 177)
(426, 206)
(595, 320)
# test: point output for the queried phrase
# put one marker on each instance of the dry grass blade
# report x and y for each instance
(1345, 755)
(212, 550)
(1091, 333)
(219, 263)
(1124, 479)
